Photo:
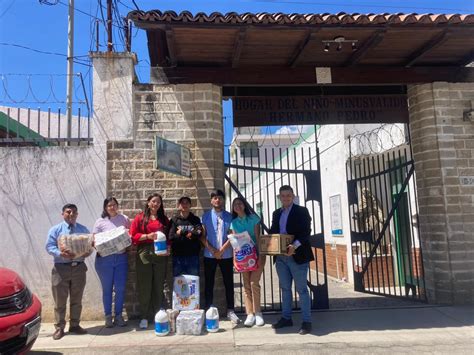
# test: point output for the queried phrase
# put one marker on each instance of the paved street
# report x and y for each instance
(431, 330)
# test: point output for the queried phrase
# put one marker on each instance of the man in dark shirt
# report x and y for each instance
(185, 232)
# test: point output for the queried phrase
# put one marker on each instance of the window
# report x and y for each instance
(248, 149)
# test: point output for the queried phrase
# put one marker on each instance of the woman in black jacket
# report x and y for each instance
(185, 232)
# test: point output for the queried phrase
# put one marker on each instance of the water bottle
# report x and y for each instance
(212, 320)
(161, 246)
(162, 323)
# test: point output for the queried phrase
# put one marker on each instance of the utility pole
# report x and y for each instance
(70, 68)
(109, 26)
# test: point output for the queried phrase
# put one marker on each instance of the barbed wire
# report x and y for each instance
(294, 134)
(30, 95)
(378, 140)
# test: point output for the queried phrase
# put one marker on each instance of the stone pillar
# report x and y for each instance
(186, 114)
(443, 145)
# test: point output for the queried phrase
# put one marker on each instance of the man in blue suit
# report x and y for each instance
(295, 220)
(218, 251)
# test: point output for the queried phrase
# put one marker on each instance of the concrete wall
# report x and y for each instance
(36, 182)
(34, 185)
(443, 147)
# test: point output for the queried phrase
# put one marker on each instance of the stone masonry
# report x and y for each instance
(443, 147)
(186, 114)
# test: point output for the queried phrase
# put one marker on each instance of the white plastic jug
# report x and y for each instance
(162, 323)
(212, 320)
(161, 246)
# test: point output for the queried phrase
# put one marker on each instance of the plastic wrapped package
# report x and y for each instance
(190, 322)
(172, 315)
(77, 244)
(186, 292)
(245, 252)
(112, 241)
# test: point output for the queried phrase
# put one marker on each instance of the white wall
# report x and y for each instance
(34, 185)
(333, 156)
(36, 182)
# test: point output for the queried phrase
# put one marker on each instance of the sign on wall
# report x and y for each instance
(336, 215)
(319, 109)
(172, 157)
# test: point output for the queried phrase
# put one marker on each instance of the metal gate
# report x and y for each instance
(386, 248)
(256, 174)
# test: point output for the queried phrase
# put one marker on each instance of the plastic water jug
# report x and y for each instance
(212, 320)
(161, 246)
(162, 323)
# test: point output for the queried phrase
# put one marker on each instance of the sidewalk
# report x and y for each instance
(438, 330)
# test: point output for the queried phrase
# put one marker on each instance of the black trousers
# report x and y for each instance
(227, 269)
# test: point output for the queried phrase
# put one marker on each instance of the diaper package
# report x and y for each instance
(186, 292)
(245, 252)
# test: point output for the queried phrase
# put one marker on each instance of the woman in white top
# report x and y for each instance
(112, 269)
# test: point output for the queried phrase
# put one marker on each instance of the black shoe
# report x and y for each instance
(282, 323)
(77, 330)
(58, 334)
(305, 328)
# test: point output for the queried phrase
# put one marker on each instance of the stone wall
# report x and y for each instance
(443, 147)
(186, 114)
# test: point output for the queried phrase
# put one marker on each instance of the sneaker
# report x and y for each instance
(259, 319)
(143, 324)
(233, 317)
(250, 321)
(282, 323)
(119, 321)
(108, 322)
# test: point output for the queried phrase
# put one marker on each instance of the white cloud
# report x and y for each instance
(292, 129)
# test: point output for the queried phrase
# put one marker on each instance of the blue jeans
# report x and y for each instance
(112, 271)
(185, 265)
(288, 270)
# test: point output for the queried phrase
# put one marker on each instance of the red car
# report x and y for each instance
(20, 314)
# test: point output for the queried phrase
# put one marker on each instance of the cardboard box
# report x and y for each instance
(274, 244)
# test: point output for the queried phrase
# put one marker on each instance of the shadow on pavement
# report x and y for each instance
(382, 319)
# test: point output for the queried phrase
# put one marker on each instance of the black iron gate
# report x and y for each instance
(386, 248)
(256, 174)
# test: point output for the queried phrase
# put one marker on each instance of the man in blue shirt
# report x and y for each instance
(68, 276)
(218, 251)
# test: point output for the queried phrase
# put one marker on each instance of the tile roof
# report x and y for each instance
(303, 19)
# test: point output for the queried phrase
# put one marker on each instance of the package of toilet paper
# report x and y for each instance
(190, 322)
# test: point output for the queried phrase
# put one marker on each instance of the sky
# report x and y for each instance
(33, 39)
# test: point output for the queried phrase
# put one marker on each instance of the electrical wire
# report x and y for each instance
(359, 5)
(40, 51)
